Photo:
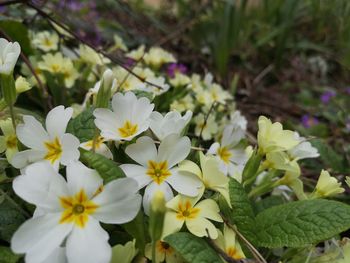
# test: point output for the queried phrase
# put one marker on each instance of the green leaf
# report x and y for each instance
(301, 223)
(10, 220)
(241, 214)
(268, 202)
(108, 169)
(83, 126)
(17, 32)
(193, 249)
(6, 256)
(136, 228)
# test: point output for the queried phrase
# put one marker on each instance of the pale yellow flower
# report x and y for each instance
(272, 137)
(137, 54)
(45, 41)
(119, 43)
(183, 104)
(228, 242)
(22, 85)
(164, 253)
(90, 56)
(8, 142)
(157, 56)
(186, 210)
(327, 186)
(207, 129)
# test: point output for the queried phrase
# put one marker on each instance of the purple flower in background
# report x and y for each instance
(307, 120)
(347, 90)
(327, 96)
(176, 68)
(129, 62)
(2, 9)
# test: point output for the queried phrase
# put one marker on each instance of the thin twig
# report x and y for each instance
(76, 36)
(11, 2)
(206, 119)
(262, 74)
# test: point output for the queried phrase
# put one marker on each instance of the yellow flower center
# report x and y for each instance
(98, 143)
(54, 150)
(55, 68)
(186, 211)
(128, 129)
(77, 209)
(11, 141)
(224, 154)
(158, 171)
(234, 253)
(47, 42)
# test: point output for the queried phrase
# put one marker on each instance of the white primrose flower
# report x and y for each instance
(238, 120)
(231, 157)
(100, 147)
(206, 127)
(70, 212)
(156, 168)
(172, 122)
(9, 53)
(53, 145)
(303, 150)
(129, 118)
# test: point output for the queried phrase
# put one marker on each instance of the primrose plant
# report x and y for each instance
(154, 166)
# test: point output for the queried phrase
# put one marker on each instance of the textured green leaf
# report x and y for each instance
(268, 202)
(17, 32)
(242, 213)
(10, 220)
(6, 255)
(193, 249)
(83, 126)
(108, 169)
(301, 223)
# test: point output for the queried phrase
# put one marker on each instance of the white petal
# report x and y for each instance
(42, 186)
(123, 104)
(151, 189)
(88, 244)
(142, 151)
(24, 158)
(105, 151)
(107, 122)
(70, 145)
(141, 111)
(213, 149)
(57, 256)
(39, 237)
(32, 133)
(57, 120)
(138, 173)
(118, 202)
(81, 177)
(184, 183)
(174, 149)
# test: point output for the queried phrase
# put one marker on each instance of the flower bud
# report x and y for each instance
(8, 88)
(104, 92)
(156, 218)
(8, 56)
(22, 85)
(327, 186)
